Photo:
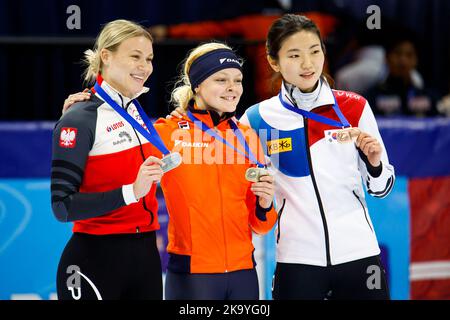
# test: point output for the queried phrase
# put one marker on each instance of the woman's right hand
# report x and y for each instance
(77, 97)
(149, 172)
(179, 112)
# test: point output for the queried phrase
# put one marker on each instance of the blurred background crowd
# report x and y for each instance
(402, 65)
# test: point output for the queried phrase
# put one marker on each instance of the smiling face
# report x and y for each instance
(300, 60)
(221, 91)
(127, 68)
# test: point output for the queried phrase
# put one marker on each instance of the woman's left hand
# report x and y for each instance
(76, 97)
(370, 147)
(264, 189)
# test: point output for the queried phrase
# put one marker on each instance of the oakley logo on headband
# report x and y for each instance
(230, 60)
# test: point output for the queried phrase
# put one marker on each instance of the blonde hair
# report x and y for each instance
(182, 93)
(111, 36)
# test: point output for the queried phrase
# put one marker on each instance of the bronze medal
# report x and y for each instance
(254, 174)
(347, 135)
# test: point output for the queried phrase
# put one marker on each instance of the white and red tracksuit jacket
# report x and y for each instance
(96, 156)
(323, 216)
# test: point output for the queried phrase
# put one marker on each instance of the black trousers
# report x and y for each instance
(236, 285)
(110, 267)
(360, 279)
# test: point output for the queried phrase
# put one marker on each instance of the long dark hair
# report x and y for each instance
(286, 26)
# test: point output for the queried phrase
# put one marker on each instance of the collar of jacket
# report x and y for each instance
(115, 95)
(210, 117)
(325, 97)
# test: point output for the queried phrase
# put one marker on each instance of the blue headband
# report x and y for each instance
(210, 63)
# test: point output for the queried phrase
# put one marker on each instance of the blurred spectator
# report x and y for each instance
(402, 92)
(252, 27)
(443, 105)
(365, 72)
(368, 66)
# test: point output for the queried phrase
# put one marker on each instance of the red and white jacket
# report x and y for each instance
(323, 216)
(96, 156)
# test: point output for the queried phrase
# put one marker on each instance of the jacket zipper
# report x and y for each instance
(152, 216)
(221, 210)
(322, 212)
(279, 220)
(364, 208)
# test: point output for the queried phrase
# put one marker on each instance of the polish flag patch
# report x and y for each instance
(68, 137)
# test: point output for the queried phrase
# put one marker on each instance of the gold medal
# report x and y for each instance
(347, 135)
(254, 174)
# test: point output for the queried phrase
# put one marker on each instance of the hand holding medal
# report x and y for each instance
(370, 147)
(254, 174)
(149, 172)
(347, 135)
(264, 187)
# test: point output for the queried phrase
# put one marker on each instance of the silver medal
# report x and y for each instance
(171, 161)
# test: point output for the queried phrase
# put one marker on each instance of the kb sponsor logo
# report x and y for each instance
(280, 145)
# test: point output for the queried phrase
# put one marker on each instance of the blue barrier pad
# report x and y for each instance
(31, 239)
(417, 147)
